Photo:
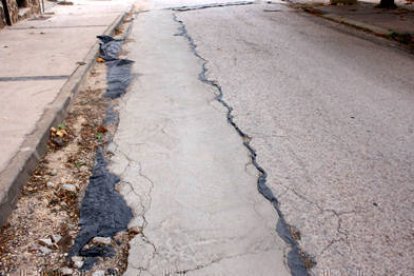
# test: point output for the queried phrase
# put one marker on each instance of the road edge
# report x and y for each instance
(349, 22)
(372, 29)
(34, 146)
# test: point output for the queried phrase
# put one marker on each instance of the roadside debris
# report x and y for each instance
(45, 220)
(48, 212)
(51, 184)
(119, 70)
(69, 188)
(66, 271)
(109, 47)
(59, 137)
(47, 242)
(103, 212)
(77, 262)
(102, 240)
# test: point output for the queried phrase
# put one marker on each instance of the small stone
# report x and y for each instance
(45, 250)
(69, 187)
(56, 238)
(46, 242)
(77, 261)
(99, 273)
(71, 226)
(102, 240)
(111, 148)
(51, 185)
(66, 271)
(84, 169)
(34, 247)
(53, 172)
(112, 271)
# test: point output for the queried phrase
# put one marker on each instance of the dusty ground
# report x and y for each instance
(43, 226)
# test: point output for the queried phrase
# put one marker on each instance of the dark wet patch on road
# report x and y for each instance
(103, 211)
(118, 77)
(111, 116)
(118, 70)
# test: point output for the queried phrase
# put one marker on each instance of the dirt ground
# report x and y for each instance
(44, 224)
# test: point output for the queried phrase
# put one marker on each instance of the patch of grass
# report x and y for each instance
(79, 164)
(99, 137)
(61, 126)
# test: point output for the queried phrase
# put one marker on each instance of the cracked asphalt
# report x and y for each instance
(322, 112)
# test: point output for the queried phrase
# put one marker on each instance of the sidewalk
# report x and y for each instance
(43, 60)
(397, 24)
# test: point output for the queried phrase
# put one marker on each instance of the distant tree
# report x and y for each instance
(387, 4)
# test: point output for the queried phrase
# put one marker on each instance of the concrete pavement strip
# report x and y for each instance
(21, 165)
(183, 168)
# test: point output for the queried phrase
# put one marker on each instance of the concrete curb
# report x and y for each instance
(21, 166)
(359, 25)
(406, 39)
(349, 22)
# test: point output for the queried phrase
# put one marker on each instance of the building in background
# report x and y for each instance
(13, 10)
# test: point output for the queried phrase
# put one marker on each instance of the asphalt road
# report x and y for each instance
(330, 115)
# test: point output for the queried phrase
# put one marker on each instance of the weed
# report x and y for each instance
(99, 137)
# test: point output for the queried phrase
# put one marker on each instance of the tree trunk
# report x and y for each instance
(387, 4)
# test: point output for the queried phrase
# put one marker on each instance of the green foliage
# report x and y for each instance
(99, 137)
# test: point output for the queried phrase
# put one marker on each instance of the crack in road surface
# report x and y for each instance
(202, 213)
(213, 5)
(298, 260)
(342, 176)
